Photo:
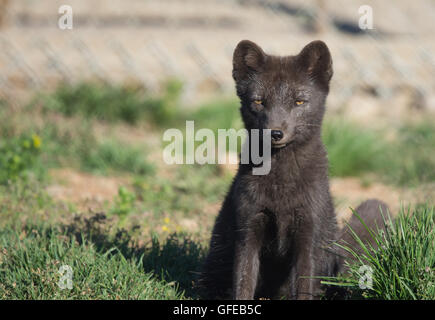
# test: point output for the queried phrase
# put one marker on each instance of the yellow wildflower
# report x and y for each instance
(36, 141)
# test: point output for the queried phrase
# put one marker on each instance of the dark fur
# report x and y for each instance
(274, 230)
(372, 212)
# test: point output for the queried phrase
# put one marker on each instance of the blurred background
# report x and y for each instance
(83, 111)
(388, 69)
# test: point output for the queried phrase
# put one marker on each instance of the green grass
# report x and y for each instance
(352, 150)
(107, 102)
(220, 114)
(192, 188)
(403, 266)
(27, 200)
(412, 158)
(20, 157)
(215, 115)
(133, 104)
(112, 155)
(406, 160)
(72, 145)
(31, 257)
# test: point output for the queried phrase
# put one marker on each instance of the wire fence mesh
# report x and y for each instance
(150, 41)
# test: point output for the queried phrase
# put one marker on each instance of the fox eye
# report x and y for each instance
(257, 105)
(299, 102)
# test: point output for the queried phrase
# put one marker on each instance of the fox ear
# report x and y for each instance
(316, 60)
(248, 57)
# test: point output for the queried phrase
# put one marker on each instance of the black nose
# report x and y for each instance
(277, 135)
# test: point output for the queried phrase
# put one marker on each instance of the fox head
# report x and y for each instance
(284, 94)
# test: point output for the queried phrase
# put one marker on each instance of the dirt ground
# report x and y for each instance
(86, 191)
(91, 193)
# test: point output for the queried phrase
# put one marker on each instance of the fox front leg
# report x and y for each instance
(308, 286)
(247, 257)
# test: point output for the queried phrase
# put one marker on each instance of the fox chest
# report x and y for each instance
(285, 207)
(279, 198)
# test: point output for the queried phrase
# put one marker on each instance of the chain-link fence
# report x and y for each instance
(391, 65)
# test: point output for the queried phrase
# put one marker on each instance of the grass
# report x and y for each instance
(188, 193)
(64, 144)
(111, 155)
(352, 150)
(414, 155)
(406, 160)
(31, 257)
(19, 157)
(129, 103)
(220, 114)
(132, 104)
(403, 266)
